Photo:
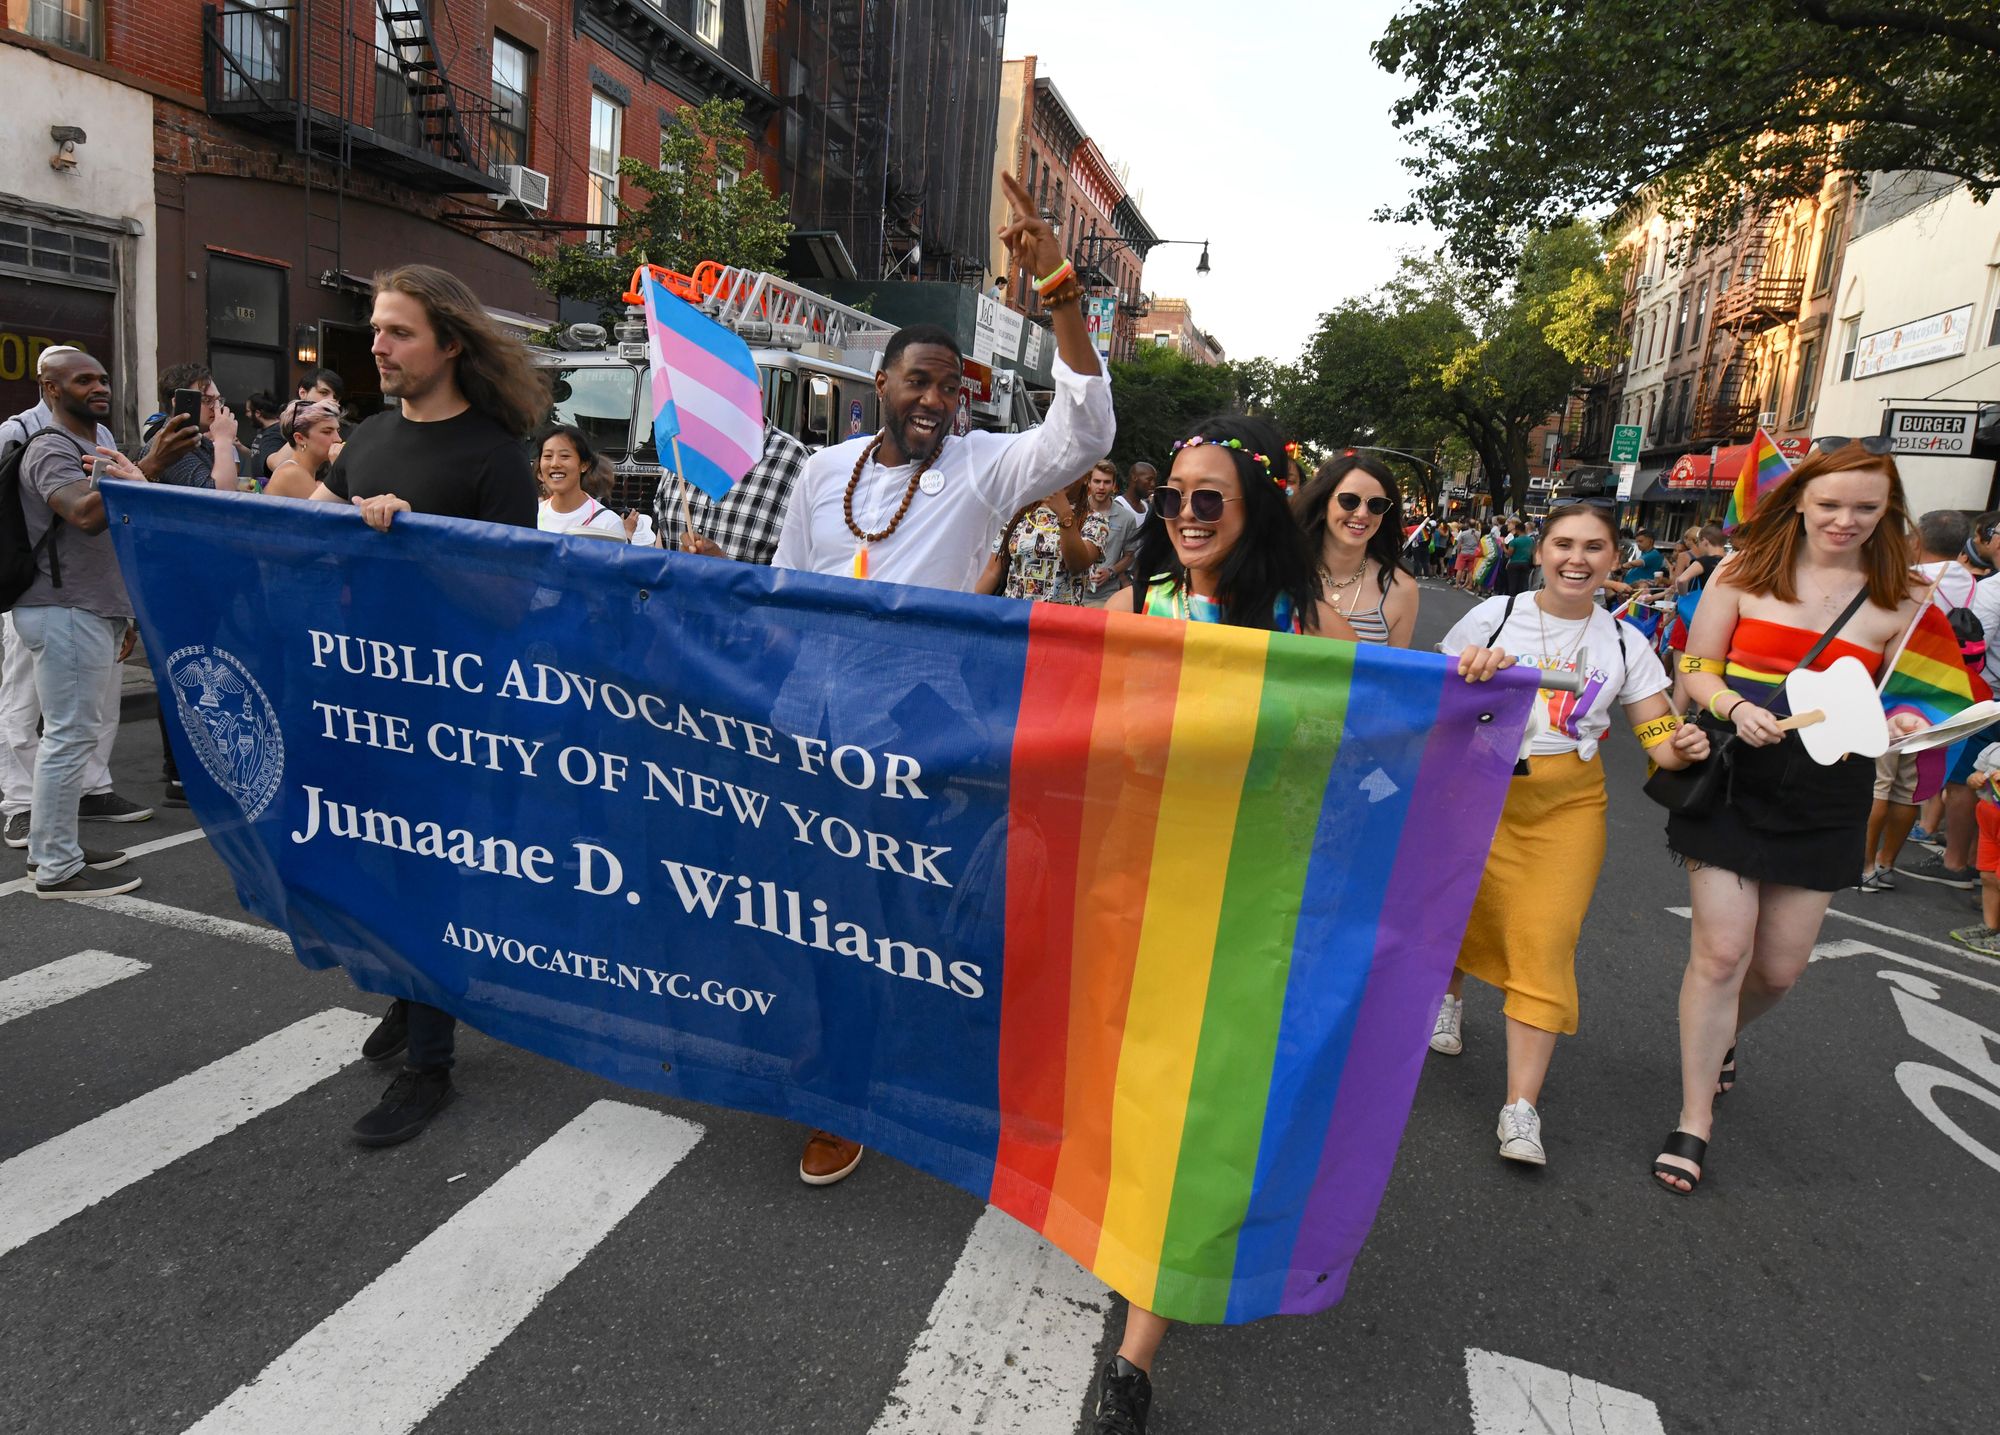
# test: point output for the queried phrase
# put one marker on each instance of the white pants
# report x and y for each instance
(21, 716)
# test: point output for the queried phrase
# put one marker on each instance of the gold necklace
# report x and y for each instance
(1554, 650)
(1334, 585)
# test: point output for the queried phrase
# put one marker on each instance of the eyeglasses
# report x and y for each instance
(1353, 501)
(1875, 443)
(1204, 504)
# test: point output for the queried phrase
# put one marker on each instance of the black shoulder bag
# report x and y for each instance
(1700, 788)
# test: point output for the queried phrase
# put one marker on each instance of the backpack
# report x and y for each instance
(20, 559)
(1971, 635)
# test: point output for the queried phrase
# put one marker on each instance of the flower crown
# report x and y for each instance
(1236, 443)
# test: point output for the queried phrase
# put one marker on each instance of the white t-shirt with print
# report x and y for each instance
(1613, 678)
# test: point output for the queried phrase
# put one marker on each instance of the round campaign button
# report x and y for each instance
(932, 482)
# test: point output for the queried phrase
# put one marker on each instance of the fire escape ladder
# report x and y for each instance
(323, 135)
(439, 123)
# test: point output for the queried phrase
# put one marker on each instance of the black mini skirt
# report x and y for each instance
(1787, 819)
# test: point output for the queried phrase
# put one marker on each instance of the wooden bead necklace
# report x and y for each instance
(909, 493)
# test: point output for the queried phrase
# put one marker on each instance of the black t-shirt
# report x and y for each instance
(1707, 563)
(463, 467)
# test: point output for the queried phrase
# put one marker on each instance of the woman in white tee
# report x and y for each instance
(567, 468)
(1546, 855)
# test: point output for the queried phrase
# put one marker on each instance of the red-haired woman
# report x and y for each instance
(1827, 551)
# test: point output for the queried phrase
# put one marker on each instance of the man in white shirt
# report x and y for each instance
(1137, 499)
(915, 504)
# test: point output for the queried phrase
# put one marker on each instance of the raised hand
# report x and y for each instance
(1028, 236)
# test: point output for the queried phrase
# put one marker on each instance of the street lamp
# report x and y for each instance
(1091, 245)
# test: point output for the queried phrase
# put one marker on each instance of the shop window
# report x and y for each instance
(246, 327)
(51, 252)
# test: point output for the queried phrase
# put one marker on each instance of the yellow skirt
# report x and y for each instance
(1539, 877)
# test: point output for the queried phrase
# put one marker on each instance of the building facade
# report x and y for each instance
(1914, 344)
(297, 148)
(1080, 193)
(1171, 323)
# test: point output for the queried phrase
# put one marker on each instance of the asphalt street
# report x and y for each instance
(1834, 1273)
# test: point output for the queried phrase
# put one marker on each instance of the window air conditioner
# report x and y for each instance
(1768, 418)
(526, 187)
(1645, 281)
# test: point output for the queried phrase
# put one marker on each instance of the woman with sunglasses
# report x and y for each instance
(1220, 546)
(1825, 554)
(1545, 858)
(1352, 514)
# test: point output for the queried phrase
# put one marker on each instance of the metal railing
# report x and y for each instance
(1760, 303)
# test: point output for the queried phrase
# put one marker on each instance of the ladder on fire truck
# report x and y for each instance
(763, 309)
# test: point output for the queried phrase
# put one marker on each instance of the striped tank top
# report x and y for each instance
(1369, 624)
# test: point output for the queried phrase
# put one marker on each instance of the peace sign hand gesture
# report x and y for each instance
(1029, 237)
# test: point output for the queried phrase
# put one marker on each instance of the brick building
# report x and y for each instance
(1172, 323)
(1077, 190)
(299, 147)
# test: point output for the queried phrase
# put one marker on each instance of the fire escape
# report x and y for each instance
(1725, 410)
(383, 103)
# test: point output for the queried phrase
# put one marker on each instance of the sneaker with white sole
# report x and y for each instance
(110, 807)
(1930, 867)
(1885, 879)
(95, 861)
(1520, 1133)
(86, 883)
(1447, 1038)
(16, 831)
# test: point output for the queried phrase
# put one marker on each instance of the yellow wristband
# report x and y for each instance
(1693, 664)
(1656, 731)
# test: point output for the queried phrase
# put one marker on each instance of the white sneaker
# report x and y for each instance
(1445, 1038)
(1520, 1134)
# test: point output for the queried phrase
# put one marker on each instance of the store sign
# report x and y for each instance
(1097, 315)
(1940, 336)
(1933, 433)
(1628, 474)
(35, 316)
(1689, 472)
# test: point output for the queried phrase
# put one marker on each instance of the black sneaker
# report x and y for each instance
(86, 883)
(391, 1036)
(407, 1107)
(176, 796)
(16, 832)
(1930, 867)
(96, 861)
(110, 807)
(1124, 1395)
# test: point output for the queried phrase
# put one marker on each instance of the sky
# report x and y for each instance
(1259, 125)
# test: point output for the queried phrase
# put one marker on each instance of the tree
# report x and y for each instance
(1439, 352)
(1159, 395)
(1524, 115)
(691, 209)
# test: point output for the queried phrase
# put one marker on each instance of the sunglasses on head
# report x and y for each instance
(1876, 443)
(1204, 504)
(1351, 501)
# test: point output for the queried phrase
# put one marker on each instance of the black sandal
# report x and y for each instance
(1725, 1079)
(1688, 1148)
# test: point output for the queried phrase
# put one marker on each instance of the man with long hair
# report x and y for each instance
(469, 394)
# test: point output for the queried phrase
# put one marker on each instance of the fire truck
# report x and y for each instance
(816, 359)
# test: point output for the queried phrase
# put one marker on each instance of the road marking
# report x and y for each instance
(59, 981)
(47, 1184)
(203, 923)
(1851, 947)
(1897, 932)
(383, 1361)
(143, 849)
(1515, 1397)
(1011, 1343)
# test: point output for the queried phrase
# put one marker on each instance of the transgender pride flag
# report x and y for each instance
(705, 393)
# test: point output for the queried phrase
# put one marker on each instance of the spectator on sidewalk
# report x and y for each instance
(212, 463)
(74, 619)
(1140, 481)
(265, 439)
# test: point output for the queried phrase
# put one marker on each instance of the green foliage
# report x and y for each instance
(683, 212)
(1437, 354)
(1524, 115)
(1159, 395)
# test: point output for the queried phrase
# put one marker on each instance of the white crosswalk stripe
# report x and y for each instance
(1517, 1397)
(47, 1184)
(383, 1361)
(1010, 1345)
(59, 981)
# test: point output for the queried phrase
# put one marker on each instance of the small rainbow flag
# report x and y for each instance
(1763, 466)
(1204, 1081)
(1929, 676)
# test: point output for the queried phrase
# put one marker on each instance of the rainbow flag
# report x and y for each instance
(1763, 466)
(1929, 676)
(1203, 1085)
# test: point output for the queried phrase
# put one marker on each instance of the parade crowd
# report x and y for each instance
(1827, 566)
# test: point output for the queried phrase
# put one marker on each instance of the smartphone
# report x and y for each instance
(188, 401)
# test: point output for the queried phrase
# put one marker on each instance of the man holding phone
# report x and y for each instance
(187, 391)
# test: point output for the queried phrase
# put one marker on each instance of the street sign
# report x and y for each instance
(1627, 474)
(1626, 440)
(1933, 433)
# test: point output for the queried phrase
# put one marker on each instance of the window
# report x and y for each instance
(1993, 327)
(725, 178)
(1850, 340)
(606, 126)
(395, 106)
(72, 24)
(246, 327)
(512, 64)
(1700, 312)
(1808, 376)
(1829, 249)
(708, 21)
(45, 253)
(1681, 324)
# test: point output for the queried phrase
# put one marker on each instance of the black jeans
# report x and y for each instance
(431, 1037)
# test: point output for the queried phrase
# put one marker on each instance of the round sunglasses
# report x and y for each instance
(1352, 501)
(1203, 504)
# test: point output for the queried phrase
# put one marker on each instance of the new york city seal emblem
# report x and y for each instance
(229, 723)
